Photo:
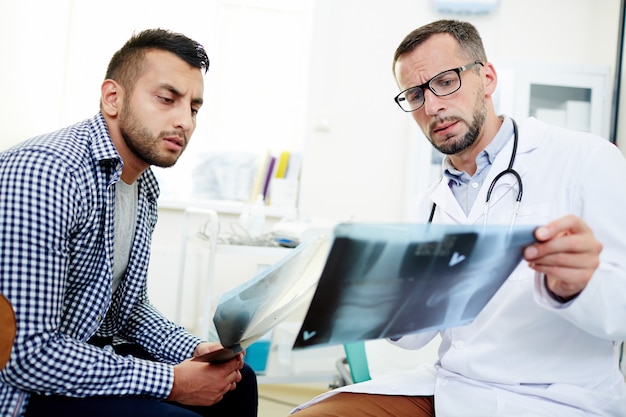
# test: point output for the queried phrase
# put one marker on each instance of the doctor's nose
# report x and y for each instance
(433, 104)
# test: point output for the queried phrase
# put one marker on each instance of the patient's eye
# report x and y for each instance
(165, 100)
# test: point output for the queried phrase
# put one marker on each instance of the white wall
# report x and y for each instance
(55, 54)
(358, 143)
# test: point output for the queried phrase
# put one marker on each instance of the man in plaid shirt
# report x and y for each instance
(77, 211)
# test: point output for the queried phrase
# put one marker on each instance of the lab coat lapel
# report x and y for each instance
(446, 204)
(506, 184)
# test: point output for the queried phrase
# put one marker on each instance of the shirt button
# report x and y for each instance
(474, 185)
(99, 318)
(459, 344)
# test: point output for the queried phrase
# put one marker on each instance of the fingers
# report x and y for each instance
(569, 224)
(236, 363)
(236, 376)
(572, 250)
(232, 376)
(206, 347)
(240, 360)
(567, 252)
(565, 241)
(229, 383)
(203, 383)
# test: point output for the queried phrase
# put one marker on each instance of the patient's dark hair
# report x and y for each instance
(465, 33)
(126, 65)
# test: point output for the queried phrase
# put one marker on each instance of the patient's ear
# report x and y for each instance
(111, 97)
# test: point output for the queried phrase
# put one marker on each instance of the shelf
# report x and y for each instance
(225, 207)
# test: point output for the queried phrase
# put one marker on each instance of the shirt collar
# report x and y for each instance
(103, 147)
(485, 157)
(106, 154)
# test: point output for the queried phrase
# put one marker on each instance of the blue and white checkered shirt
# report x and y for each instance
(57, 196)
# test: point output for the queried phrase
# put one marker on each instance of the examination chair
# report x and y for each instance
(354, 367)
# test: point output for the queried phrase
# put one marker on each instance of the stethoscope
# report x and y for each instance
(508, 171)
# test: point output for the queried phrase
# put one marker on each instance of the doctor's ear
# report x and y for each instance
(491, 79)
(111, 98)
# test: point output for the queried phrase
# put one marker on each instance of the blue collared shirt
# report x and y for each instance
(465, 187)
(57, 199)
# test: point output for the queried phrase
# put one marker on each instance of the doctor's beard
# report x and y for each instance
(457, 146)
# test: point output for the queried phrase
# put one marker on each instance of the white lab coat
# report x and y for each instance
(525, 355)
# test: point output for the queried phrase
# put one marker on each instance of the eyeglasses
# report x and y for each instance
(442, 84)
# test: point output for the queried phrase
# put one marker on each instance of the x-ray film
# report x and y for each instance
(250, 310)
(389, 280)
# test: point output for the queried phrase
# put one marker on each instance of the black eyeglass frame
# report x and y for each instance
(426, 85)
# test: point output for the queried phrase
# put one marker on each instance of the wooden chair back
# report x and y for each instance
(7, 330)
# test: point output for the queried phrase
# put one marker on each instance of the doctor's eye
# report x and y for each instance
(445, 83)
(415, 95)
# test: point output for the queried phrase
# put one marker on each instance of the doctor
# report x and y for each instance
(545, 345)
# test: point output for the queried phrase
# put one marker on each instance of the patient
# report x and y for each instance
(545, 344)
(78, 208)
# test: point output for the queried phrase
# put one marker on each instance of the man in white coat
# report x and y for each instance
(546, 343)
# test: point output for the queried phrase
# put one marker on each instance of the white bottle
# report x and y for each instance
(253, 217)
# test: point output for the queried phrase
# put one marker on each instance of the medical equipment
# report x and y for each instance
(510, 170)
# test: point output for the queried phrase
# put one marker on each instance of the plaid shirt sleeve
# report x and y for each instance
(55, 270)
(166, 341)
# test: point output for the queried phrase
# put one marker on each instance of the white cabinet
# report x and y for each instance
(189, 272)
(572, 96)
(208, 267)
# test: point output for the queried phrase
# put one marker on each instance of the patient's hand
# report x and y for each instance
(206, 347)
(202, 383)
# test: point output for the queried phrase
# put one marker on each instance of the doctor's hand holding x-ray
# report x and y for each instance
(567, 253)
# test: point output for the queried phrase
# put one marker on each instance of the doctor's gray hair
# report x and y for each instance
(465, 33)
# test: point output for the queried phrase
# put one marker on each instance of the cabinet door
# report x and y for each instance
(571, 96)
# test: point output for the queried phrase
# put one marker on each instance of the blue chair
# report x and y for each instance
(354, 367)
